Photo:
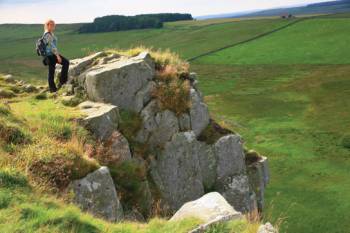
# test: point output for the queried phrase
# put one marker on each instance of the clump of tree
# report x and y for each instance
(121, 23)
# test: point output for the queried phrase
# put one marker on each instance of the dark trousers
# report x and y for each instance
(52, 61)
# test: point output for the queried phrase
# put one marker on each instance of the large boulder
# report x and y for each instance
(119, 82)
(96, 194)
(101, 119)
(199, 113)
(210, 207)
(176, 170)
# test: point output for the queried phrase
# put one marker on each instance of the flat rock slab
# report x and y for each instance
(96, 194)
(101, 119)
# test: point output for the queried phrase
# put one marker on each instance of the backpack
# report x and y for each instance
(41, 49)
(41, 46)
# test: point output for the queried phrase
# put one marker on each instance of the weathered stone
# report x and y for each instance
(158, 126)
(210, 207)
(236, 191)
(267, 228)
(144, 96)
(118, 82)
(176, 171)
(119, 147)
(145, 56)
(232, 181)
(109, 58)
(185, 122)
(258, 173)
(96, 194)
(230, 156)
(77, 66)
(207, 161)
(102, 119)
(199, 113)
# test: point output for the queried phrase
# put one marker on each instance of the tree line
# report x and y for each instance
(120, 22)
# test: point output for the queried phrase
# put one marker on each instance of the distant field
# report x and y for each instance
(286, 93)
(317, 41)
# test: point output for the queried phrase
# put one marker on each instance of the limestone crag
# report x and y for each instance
(181, 166)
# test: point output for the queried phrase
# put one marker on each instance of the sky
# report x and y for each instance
(74, 11)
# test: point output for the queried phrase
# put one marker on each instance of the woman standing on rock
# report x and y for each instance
(53, 57)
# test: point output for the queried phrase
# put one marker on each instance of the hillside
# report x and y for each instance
(331, 7)
(270, 90)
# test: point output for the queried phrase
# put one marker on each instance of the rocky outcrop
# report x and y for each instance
(181, 165)
(96, 194)
(101, 119)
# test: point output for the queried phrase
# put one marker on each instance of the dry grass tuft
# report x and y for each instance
(162, 58)
(172, 92)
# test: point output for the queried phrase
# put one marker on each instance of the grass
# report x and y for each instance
(317, 41)
(296, 115)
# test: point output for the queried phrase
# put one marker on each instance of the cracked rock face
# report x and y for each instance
(258, 173)
(176, 171)
(96, 194)
(158, 126)
(199, 113)
(236, 191)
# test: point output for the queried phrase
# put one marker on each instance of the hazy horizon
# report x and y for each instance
(76, 11)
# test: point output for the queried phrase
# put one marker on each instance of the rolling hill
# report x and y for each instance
(331, 7)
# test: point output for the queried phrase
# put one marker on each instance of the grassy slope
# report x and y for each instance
(295, 114)
(318, 41)
(287, 96)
